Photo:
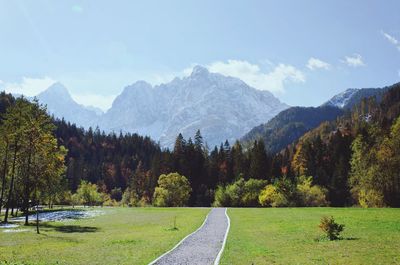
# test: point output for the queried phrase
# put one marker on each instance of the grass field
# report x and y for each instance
(292, 236)
(119, 236)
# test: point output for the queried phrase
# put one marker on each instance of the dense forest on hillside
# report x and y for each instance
(289, 125)
(350, 160)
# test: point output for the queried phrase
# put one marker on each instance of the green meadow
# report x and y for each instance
(118, 236)
(257, 236)
(291, 236)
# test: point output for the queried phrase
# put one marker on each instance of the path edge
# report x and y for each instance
(180, 242)
(216, 262)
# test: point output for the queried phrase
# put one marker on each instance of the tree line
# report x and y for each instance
(351, 160)
(32, 162)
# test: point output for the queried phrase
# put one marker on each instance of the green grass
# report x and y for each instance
(120, 236)
(292, 236)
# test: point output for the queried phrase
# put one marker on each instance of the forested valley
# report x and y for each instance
(353, 160)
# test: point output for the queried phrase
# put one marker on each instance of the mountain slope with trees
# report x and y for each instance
(352, 159)
(289, 125)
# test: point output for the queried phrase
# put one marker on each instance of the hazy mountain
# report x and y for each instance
(221, 107)
(60, 104)
(289, 125)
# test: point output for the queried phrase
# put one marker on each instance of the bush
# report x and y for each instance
(173, 191)
(241, 193)
(252, 189)
(221, 197)
(288, 190)
(129, 198)
(370, 198)
(87, 194)
(270, 196)
(330, 227)
(116, 194)
(309, 195)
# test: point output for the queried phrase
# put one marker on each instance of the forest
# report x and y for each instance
(352, 160)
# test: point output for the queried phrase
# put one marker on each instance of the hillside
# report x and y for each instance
(289, 125)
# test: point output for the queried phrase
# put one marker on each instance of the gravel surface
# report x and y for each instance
(203, 246)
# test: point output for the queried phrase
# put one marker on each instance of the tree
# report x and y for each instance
(311, 195)
(173, 190)
(252, 189)
(259, 164)
(364, 176)
(241, 193)
(14, 127)
(388, 164)
(270, 196)
(88, 194)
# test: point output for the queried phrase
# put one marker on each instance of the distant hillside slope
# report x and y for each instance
(289, 125)
(352, 96)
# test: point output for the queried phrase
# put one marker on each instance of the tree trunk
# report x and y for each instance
(3, 176)
(26, 200)
(37, 217)
(37, 204)
(12, 181)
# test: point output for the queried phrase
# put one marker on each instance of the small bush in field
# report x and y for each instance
(330, 227)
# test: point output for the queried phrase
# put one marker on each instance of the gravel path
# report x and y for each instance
(203, 246)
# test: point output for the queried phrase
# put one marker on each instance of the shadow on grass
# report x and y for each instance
(349, 238)
(68, 228)
(326, 239)
(76, 229)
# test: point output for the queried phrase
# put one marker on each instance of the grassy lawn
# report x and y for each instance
(119, 236)
(292, 236)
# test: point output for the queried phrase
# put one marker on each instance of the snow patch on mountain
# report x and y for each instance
(340, 100)
(221, 107)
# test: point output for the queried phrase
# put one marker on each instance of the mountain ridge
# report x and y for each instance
(222, 107)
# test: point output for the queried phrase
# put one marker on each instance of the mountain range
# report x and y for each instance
(289, 125)
(222, 107)
(60, 104)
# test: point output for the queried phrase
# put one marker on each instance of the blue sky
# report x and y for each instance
(302, 51)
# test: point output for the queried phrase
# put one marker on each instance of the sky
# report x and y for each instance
(304, 52)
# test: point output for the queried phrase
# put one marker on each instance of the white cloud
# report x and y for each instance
(391, 39)
(103, 102)
(315, 63)
(273, 81)
(355, 60)
(28, 86)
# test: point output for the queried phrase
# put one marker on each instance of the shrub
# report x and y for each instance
(330, 227)
(241, 193)
(252, 189)
(221, 197)
(288, 192)
(173, 191)
(116, 194)
(87, 194)
(270, 196)
(309, 195)
(129, 198)
(370, 198)
(235, 192)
